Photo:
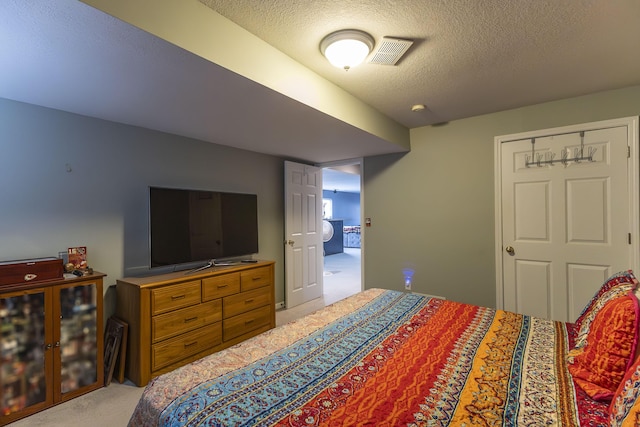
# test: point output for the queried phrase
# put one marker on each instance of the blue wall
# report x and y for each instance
(346, 206)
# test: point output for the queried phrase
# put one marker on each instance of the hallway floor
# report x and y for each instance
(342, 277)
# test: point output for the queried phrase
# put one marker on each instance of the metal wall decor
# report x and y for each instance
(548, 158)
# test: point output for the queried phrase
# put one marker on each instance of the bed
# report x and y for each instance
(388, 358)
(351, 235)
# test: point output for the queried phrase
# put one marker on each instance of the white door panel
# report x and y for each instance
(567, 221)
(587, 215)
(313, 282)
(295, 283)
(582, 283)
(533, 287)
(531, 211)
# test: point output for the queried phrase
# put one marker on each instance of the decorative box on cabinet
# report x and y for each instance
(177, 318)
(51, 344)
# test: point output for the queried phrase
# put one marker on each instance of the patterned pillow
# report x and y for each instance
(625, 406)
(618, 284)
(610, 350)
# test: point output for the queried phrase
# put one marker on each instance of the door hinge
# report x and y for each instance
(629, 238)
(628, 151)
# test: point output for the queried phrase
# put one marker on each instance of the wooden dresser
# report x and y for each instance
(180, 317)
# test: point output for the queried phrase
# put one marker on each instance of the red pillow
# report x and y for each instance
(600, 365)
(625, 406)
(617, 285)
(625, 280)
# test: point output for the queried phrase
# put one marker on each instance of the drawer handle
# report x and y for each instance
(190, 344)
(222, 286)
(190, 319)
(256, 278)
(246, 322)
(248, 301)
(177, 297)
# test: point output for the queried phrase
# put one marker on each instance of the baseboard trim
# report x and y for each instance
(280, 305)
(427, 295)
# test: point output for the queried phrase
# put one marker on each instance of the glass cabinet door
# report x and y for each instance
(23, 373)
(78, 337)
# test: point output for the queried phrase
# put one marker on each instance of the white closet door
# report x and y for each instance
(565, 227)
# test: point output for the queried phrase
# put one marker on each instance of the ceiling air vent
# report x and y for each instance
(390, 50)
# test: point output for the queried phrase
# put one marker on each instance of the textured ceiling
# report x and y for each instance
(469, 57)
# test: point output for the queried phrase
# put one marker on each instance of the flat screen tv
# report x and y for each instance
(193, 226)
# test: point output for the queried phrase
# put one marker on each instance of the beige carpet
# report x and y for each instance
(112, 406)
(107, 407)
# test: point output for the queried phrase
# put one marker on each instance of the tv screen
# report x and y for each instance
(188, 226)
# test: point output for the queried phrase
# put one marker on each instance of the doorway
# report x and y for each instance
(342, 237)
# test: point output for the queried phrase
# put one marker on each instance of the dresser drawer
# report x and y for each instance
(220, 286)
(186, 319)
(245, 301)
(246, 322)
(175, 349)
(172, 297)
(255, 278)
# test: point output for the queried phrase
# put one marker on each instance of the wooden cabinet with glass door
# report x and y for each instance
(51, 344)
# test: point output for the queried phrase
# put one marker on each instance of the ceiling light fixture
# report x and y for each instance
(346, 48)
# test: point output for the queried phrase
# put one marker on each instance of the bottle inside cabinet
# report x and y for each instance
(78, 337)
(22, 358)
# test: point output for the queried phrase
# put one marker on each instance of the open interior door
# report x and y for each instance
(303, 233)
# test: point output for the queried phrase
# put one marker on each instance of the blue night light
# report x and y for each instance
(408, 277)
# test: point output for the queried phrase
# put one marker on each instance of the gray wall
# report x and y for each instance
(102, 202)
(432, 209)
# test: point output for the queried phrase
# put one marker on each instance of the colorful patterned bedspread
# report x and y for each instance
(382, 358)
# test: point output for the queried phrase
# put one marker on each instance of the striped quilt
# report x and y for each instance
(382, 358)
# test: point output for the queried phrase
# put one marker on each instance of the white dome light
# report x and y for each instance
(346, 48)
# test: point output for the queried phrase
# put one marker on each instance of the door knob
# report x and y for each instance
(510, 250)
(289, 242)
